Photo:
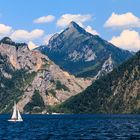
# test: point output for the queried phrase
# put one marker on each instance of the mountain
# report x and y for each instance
(33, 80)
(117, 92)
(83, 54)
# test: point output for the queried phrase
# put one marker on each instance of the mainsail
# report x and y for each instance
(14, 115)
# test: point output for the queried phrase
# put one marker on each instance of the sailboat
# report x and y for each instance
(16, 117)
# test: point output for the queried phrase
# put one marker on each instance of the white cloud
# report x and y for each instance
(31, 45)
(128, 39)
(23, 35)
(92, 31)
(20, 35)
(127, 20)
(78, 18)
(44, 19)
(5, 30)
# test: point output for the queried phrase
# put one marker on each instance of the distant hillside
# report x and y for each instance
(117, 92)
(83, 54)
(33, 80)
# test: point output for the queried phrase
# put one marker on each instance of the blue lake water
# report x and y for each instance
(71, 127)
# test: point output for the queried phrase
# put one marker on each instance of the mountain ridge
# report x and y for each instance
(33, 80)
(86, 53)
(117, 92)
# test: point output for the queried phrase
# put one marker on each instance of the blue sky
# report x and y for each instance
(20, 15)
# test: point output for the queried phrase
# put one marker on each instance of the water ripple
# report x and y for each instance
(71, 127)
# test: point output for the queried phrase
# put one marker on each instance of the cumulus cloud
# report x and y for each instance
(91, 30)
(20, 35)
(23, 35)
(5, 30)
(128, 39)
(44, 19)
(127, 20)
(67, 18)
(32, 45)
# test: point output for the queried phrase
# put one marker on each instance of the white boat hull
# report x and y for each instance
(11, 120)
(15, 120)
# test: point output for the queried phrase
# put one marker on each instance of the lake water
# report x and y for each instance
(71, 127)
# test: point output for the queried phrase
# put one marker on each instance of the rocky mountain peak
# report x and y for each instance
(7, 40)
(74, 26)
(81, 53)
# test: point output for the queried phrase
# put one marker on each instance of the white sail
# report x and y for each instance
(14, 115)
(19, 116)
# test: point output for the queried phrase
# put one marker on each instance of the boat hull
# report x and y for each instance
(15, 120)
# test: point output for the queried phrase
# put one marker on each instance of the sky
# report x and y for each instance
(35, 21)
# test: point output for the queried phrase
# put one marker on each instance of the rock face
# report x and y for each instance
(33, 80)
(118, 92)
(106, 68)
(82, 53)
